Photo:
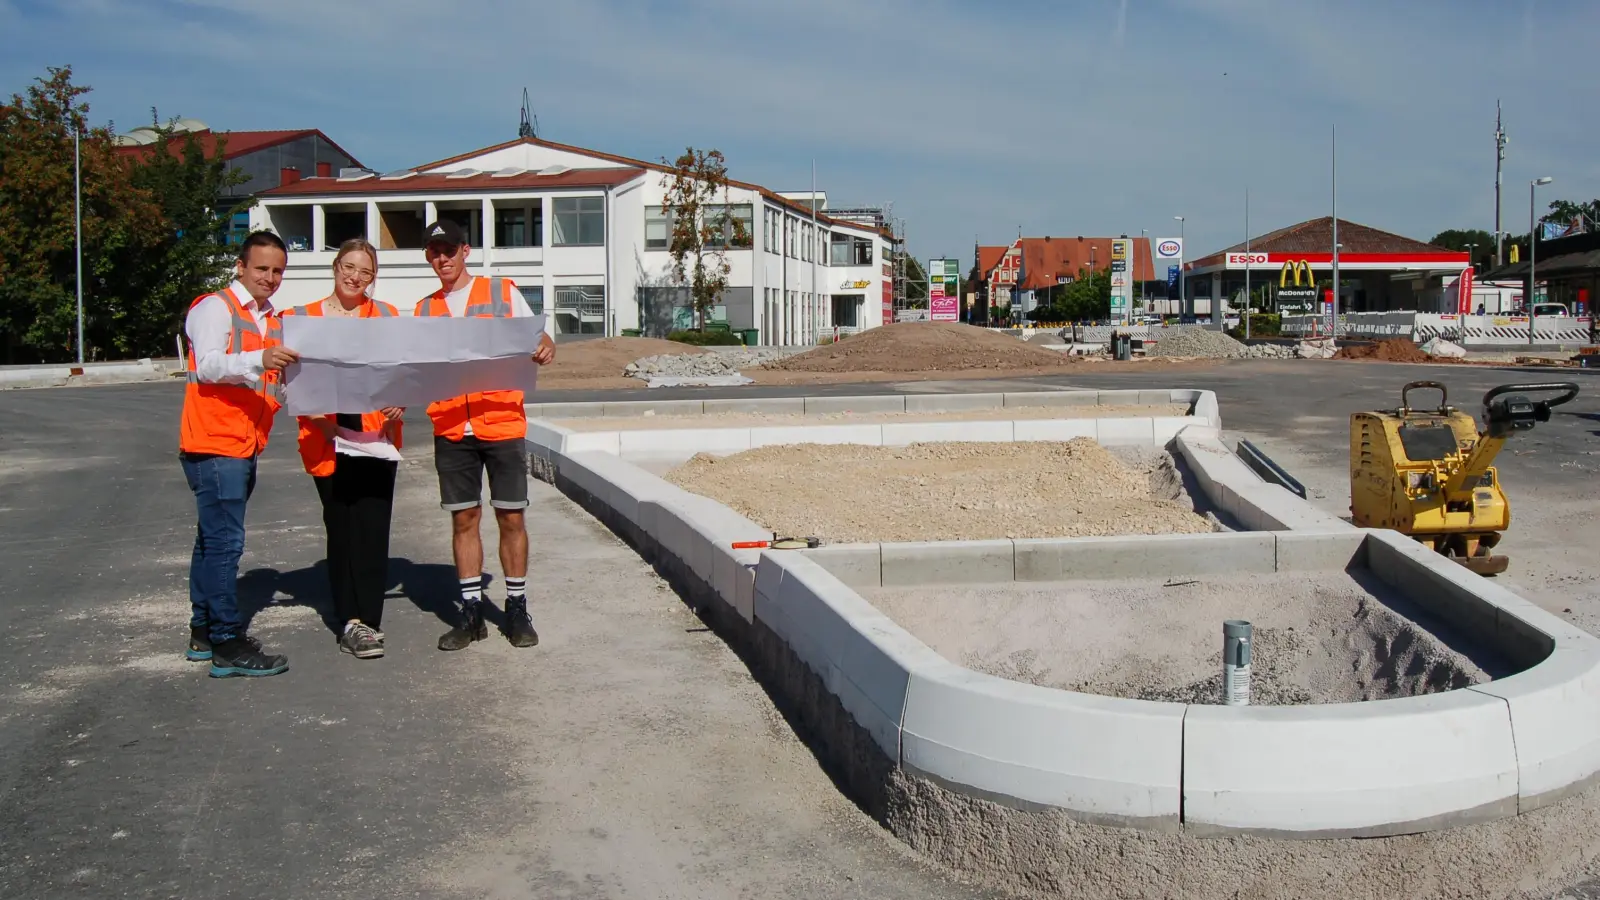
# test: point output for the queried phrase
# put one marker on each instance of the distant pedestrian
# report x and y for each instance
(481, 432)
(236, 357)
(352, 458)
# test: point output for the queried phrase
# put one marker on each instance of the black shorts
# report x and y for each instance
(461, 465)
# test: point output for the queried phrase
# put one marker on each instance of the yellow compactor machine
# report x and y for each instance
(1429, 473)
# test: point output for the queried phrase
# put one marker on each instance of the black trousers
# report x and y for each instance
(357, 500)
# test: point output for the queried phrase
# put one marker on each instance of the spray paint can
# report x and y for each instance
(1236, 662)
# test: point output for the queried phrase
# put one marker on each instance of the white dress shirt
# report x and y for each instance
(208, 325)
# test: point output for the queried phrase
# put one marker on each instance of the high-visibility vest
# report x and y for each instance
(232, 419)
(495, 415)
(316, 450)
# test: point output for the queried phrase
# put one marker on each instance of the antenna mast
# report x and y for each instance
(1499, 158)
(529, 126)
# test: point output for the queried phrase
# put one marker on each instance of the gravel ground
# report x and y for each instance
(742, 420)
(1322, 638)
(846, 493)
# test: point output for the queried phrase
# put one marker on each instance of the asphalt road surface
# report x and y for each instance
(628, 755)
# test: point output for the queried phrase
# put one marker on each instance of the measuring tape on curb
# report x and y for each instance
(779, 543)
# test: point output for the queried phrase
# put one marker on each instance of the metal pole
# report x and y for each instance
(1236, 662)
(1499, 158)
(77, 215)
(1246, 312)
(1337, 294)
(1183, 291)
(1533, 251)
(816, 243)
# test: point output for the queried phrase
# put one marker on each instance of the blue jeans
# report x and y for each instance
(222, 486)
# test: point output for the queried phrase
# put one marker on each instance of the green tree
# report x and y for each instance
(193, 259)
(696, 198)
(1565, 211)
(1478, 242)
(121, 225)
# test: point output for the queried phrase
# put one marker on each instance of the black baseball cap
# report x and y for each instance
(444, 231)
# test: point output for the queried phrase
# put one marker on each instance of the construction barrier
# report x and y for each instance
(1469, 331)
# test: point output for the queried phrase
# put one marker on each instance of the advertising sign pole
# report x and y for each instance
(1246, 312)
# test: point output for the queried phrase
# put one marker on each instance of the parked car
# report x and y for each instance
(1550, 309)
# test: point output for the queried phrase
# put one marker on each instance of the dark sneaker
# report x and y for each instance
(200, 644)
(519, 626)
(469, 628)
(361, 642)
(242, 656)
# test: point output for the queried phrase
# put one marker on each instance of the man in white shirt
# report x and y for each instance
(480, 433)
(235, 357)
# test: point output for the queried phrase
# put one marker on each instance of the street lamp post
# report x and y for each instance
(1183, 290)
(1144, 286)
(1533, 253)
(77, 216)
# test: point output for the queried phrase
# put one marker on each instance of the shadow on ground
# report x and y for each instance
(431, 587)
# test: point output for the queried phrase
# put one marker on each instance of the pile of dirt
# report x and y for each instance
(1388, 350)
(608, 357)
(923, 347)
(846, 493)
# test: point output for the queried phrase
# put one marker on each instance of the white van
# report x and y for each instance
(1550, 309)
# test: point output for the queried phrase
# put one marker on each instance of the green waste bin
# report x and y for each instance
(632, 332)
(752, 336)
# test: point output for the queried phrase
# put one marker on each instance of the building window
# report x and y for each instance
(730, 225)
(657, 228)
(861, 251)
(789, 236)
(511, 227)
(839, 250)
(579, 309)
(580, 222)
(534, 296)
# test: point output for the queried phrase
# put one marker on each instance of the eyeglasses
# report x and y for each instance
(351, 271)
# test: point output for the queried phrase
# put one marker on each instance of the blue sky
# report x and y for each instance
(1063, 118)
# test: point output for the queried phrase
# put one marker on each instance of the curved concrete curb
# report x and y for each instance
(1459, 757)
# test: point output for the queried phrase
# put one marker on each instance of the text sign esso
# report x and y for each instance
(1240, 260)
(1169, 249)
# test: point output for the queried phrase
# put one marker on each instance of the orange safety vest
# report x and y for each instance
(316, 450)
(232, 419)
(495, 415)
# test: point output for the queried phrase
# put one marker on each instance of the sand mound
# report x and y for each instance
(846, 493)
(1390, 350)
(607, 357)
(923, 347)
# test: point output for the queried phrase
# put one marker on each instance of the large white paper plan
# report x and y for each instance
(359, 365)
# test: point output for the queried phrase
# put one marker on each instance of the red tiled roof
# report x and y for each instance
(237, 143)
(1046, 259)
(794, 205)
(988, 258)
(1316, 236)
(486, 181)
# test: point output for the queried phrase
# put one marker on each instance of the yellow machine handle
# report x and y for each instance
(1444, 396)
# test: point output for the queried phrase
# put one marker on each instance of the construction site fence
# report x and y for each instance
(1468, 331)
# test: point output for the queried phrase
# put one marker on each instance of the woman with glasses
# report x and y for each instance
(352, 457)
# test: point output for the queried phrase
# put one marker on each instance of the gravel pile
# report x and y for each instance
(703, 365)
(1199, 343)
(845, 493)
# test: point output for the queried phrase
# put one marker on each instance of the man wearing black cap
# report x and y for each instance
(477, 433)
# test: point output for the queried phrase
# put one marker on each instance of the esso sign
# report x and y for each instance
(1169, 249)
(1247, 259)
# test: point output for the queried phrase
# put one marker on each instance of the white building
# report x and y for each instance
(583, 236)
